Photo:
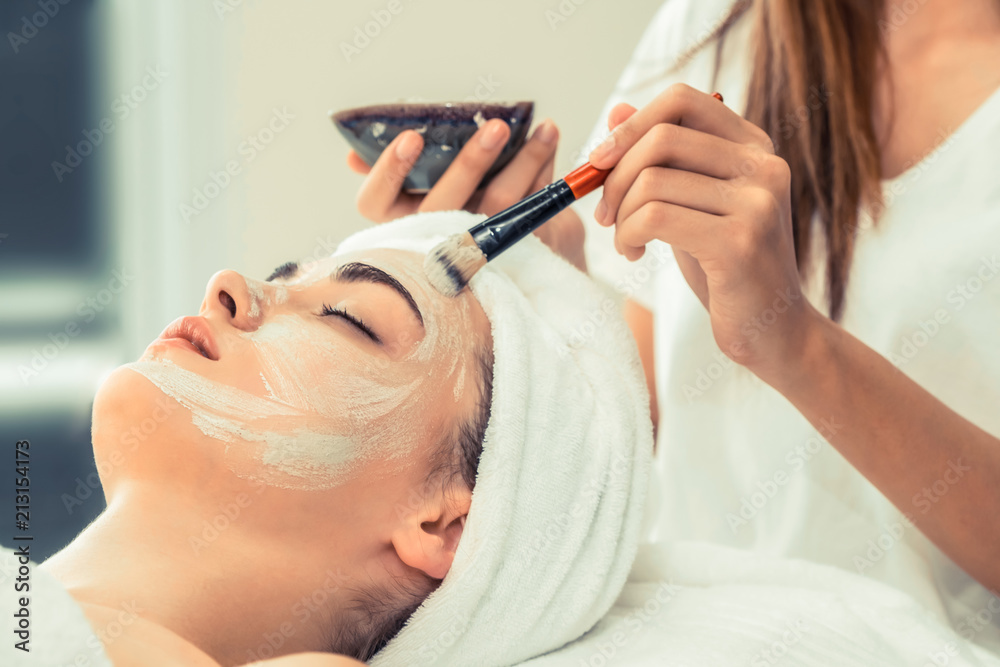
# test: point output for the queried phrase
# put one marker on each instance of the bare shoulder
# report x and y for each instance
(310, 659)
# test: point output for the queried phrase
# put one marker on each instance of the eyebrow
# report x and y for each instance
(354, 272)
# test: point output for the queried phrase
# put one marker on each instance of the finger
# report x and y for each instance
(380, 197)
(676, 186)
(518, 178)
(463, 176)
(694, 275)
(684, 228)
(356, 164)
(544, 177)
(547, 232)
(474, 203)
(677, 147)
(679, 105)
(619, 114)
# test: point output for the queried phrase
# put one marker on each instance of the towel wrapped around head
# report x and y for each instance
(554, 522)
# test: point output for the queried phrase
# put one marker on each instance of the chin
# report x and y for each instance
(131, 413)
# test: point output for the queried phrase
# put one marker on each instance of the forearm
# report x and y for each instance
(640, 322)
(937, 467)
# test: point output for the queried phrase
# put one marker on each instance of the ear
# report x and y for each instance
(427, 538)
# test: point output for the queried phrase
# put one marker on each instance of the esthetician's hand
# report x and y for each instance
(381, 197)
(692, 173)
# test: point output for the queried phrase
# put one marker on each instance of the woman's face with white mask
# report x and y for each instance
(329, 385)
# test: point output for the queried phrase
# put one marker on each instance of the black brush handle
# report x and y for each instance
(501, 231)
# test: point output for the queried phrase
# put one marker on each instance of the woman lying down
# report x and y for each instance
(350, 464)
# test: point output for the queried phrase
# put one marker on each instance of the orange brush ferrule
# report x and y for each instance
(584, 180)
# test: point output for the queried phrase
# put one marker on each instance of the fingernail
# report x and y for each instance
(546, 132)
(408, 147)
(601, 211)
(604, 149)
(491, 137)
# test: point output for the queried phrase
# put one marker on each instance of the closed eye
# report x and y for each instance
(355, 321)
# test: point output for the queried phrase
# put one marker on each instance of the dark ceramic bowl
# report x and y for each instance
(445, 129)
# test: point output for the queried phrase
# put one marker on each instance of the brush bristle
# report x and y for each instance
(451, 264)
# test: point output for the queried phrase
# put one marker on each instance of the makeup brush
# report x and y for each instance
(452, 263)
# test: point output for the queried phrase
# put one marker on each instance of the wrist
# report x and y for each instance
(803, 356)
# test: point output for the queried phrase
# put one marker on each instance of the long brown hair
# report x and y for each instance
(812, 89)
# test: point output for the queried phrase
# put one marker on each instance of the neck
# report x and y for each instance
(941, 64)
(909, 26)
(184, 582)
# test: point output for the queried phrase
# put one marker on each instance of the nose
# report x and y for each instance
(234, 299)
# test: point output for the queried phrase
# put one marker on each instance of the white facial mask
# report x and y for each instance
(326, 406)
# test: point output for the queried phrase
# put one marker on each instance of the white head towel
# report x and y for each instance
(554, 523)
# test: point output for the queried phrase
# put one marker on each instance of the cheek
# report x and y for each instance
(350, 408)
(327, 377)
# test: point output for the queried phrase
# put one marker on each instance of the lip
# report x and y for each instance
(197, 332)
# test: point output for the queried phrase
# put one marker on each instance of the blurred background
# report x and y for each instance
(118, 120)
